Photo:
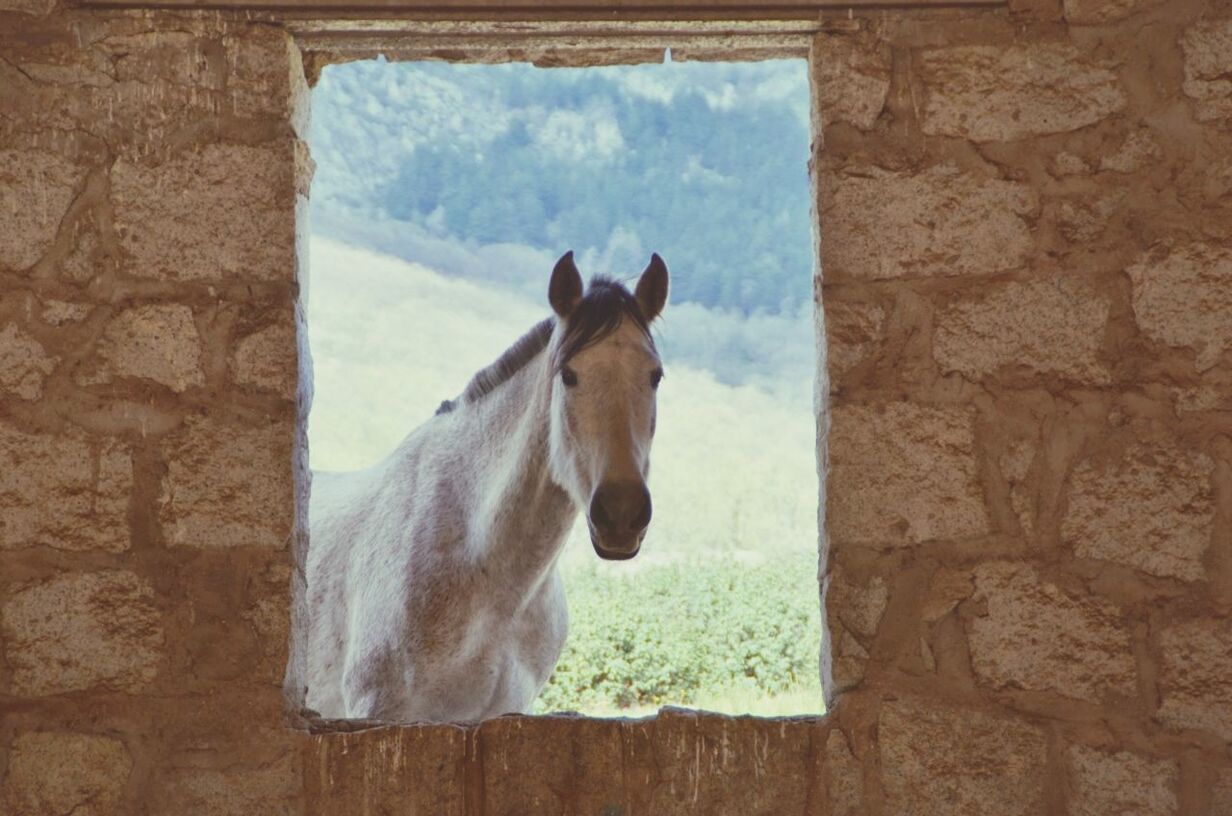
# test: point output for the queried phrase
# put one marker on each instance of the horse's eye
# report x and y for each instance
(569, 377)
(656, 377)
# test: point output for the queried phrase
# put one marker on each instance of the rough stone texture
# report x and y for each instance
(1152, 510)
(1037, 637)
(852, 330)
(1068, 164)
(844, 782)
(157, 342)
(1015, 466)
(24, 364)
(1097, 12)
(232, 215)
(853, 80)
(1000, 94)
(1047, 326)
(878, 224)
(1138, 150)
(262, 66)
(66, 774)
(77, 631)
(28, 6)
(1084, 219)
(908, 473)
(1208, 69)
(1195, 682)
(268, 359)
(855, 610)
(221, 483)
(1121, 783)
(165, 145)
(36, 188)
(1183, 297)
(60, 312)
(65, 491)
(938, 759)
(1221, 794)
(273, 788)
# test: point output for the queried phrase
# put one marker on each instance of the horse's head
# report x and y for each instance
(605, 374)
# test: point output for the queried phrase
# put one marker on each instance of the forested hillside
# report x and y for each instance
(705, 164)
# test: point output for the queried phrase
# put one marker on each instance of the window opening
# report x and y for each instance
(443, 196)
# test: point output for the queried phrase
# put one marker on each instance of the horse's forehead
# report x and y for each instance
(626, 343)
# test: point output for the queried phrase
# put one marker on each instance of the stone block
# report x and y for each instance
(260, 82)
(1098, 12)
(228, 486)
(852, 79)
(1036, 637)
(24, 364)
(1120, 782)
(1182, 297)
(878, 224)
(36, 189)
(226, 211)
(940, 759)
(852, 333)
(1046, 326)
(269, 359)
(77, 631)
(1138, 150)
(1082, 219)
(854, 611)
(65, 491)
(53, 773)
(858, 606)
(35, 7)
(1221, 794)
(989, 93)
(1153, 510)
(1208, 69)
(1015, 463)
(60, 312)
(1195, 676)
(156, 341)
(902, 474)
(271, 788)
(418, 770)
(844, 779)
(725, 754)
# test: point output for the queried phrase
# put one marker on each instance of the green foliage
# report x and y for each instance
(666, 634)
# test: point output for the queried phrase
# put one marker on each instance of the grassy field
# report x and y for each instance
(720, 610)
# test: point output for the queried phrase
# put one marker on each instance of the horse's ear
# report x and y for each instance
(651, 292)
(565, 289)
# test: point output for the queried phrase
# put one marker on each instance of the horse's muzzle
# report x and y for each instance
(618, 516)
(612, 554)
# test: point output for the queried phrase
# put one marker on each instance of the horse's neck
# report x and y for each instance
(521, 516)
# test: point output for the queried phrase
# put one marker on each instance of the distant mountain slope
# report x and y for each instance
(704, 163)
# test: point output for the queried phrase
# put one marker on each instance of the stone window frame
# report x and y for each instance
(562, 43)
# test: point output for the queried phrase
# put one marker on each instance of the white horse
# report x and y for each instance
(433, 589)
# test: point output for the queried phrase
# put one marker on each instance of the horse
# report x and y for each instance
(432, 583)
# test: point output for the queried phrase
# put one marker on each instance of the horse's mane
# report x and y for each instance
(606, 303)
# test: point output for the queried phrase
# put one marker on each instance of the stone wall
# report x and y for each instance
(1026, 237)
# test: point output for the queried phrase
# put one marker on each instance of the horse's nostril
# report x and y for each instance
(598, 515)
(621, 507)
(642, 520)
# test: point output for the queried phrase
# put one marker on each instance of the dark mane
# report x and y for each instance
(606, 303)
(508, 364)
